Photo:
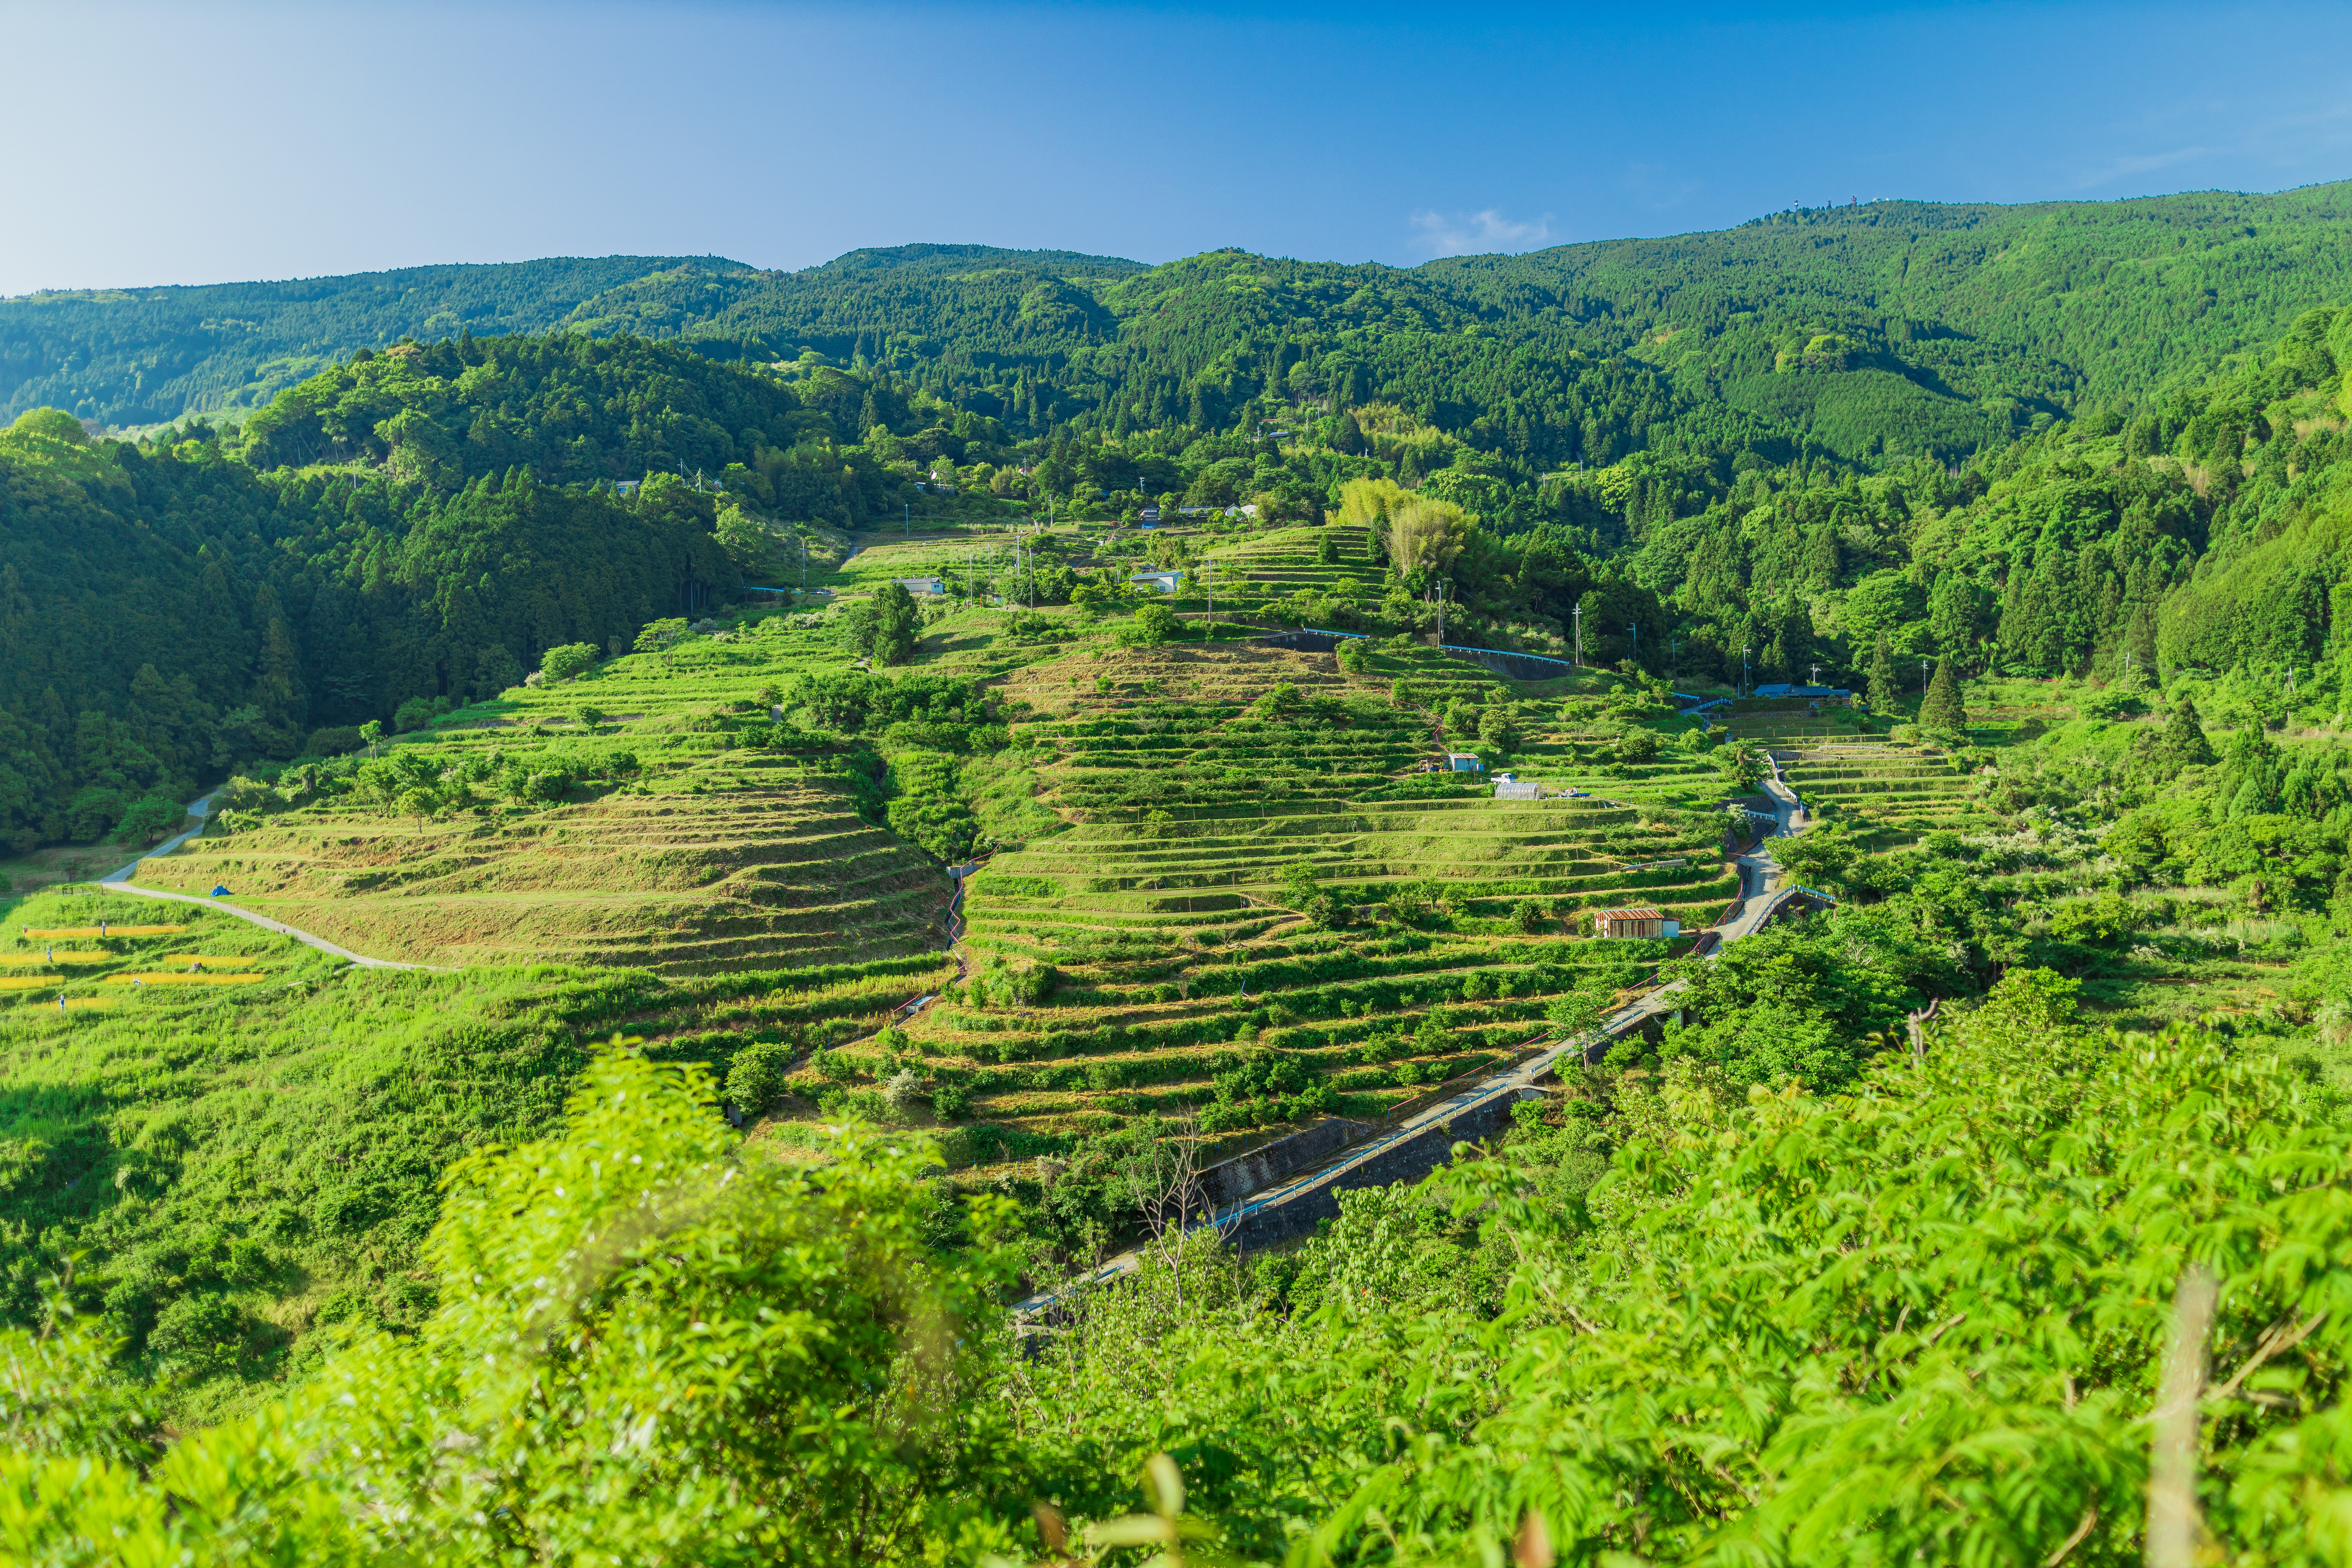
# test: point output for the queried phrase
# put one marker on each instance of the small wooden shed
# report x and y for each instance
(1638, 924)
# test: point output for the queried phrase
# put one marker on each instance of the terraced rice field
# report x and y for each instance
(1157, 807)
(1183, 979)
(1888, 795)
(1271, 565)
(2184, 961)
(704, 855)
(728, 863)
(147, 964)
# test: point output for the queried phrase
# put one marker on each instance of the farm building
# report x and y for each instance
(921, 584)
(1465, 762)
(1637, 924)
(1165, 582)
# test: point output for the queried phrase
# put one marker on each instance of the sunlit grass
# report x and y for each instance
(155, 977)
(211, 961)
(112, 929)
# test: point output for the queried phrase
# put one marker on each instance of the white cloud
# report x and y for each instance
(2125, 168)
(1468, 234)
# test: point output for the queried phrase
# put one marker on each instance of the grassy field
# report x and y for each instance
(263, 1138)
(696, 850)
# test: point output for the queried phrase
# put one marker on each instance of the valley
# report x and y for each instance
(1780, 868)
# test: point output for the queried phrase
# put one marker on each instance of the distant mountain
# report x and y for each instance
(136, 356)
(1862, 334)
(938, 259)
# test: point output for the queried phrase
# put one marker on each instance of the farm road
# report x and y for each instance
(121, 883)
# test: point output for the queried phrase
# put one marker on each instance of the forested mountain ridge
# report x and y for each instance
(142, 356)
(1864, 334)
(1901, 328)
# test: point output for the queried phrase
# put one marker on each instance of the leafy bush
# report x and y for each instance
(1003, 983)
(202, 1336)
(1027, 627)
(1152, 625)
(150, 818)
(756, 1078)
(655, 637)
(1637, 746)
(565, 660)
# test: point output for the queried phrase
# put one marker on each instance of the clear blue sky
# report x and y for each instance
(200, 143)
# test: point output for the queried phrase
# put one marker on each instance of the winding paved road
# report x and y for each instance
(121, 883)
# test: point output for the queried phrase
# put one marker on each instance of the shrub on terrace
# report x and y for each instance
(565, 660)
(1001, 983)
(756, 1078)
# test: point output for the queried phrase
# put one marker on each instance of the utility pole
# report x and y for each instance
(906, 519)
(1635, 627)
(1743, 670)
(803, 565)
(1209, 581)
(1814, 673)
(1674, 660)
(1441, 614)
(1923, 680)
(1578, 657)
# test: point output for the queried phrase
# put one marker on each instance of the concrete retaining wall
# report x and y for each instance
(1231, 1181)
(1407, 1159)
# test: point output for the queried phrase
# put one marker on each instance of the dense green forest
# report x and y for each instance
(146, 356)
(1896, 329)
(172, 610)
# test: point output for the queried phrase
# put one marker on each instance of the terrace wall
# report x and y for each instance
(1231, 1181)
(1407, 1159)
